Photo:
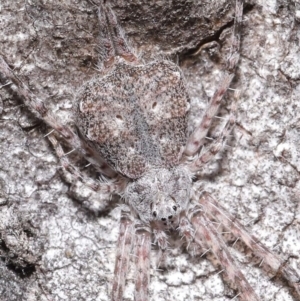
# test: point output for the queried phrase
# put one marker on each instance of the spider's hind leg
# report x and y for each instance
(112, 39)
(107, 50)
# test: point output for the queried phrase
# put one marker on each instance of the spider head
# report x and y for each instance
(165, 211)
(160, 196)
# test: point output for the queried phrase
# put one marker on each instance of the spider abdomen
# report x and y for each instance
(136, 116)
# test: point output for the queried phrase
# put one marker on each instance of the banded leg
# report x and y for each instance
(107, 50)
(215, 147)
(117, 38)
(142, 262)
(196, 139)
(161, 238)
(187, 231)
(124, 246)
(215, 242)
(72, 174)
(273, 261)
(38, 108)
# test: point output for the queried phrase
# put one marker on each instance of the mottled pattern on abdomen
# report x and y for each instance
(136, 116)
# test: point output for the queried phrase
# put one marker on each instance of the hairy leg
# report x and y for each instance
(196, 139)
(215, 242)
(161, 239)
(268, 258)
(124, 246)
(107, 51)
(109, 23)
(142, 262)
(72, 174)
(214, 148)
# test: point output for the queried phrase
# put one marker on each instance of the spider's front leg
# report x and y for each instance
(268, 258)
(142, 262)
(216, 244)
(136, 235)
(124, 246)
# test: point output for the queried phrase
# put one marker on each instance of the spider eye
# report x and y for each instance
(154, 213)
(163, 219)
(174, 208)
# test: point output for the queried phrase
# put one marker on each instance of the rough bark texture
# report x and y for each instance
(53, 249)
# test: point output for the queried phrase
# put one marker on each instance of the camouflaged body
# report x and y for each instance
(136, 116)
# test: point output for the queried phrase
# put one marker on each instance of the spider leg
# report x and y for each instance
(214, 148)
(71, 173)
(142, 262)
(119, 42)
(216, 243)
(270, 259)
(124, 246)
(107, 50)
(39, 109)
(196, 139)
(161, 238)
(187, 231)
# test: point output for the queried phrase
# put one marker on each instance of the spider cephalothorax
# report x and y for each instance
(160, 196)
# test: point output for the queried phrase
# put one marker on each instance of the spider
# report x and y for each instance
(119, 133)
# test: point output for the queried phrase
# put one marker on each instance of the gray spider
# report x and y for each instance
(132, 126)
